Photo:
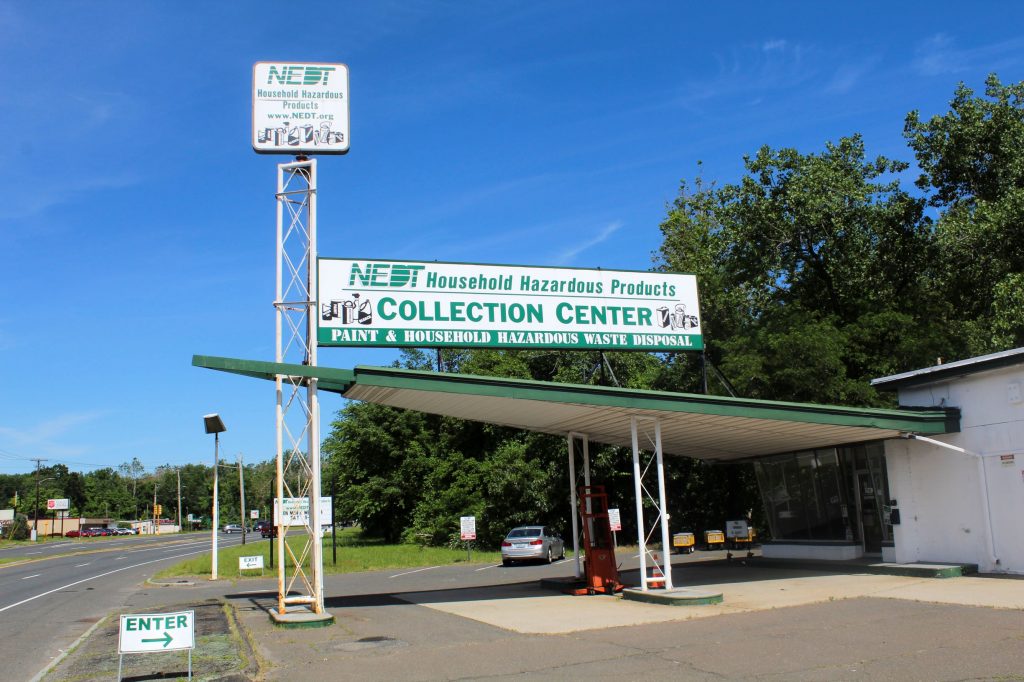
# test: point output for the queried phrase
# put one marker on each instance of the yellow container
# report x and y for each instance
(713, 538)
(684, 541)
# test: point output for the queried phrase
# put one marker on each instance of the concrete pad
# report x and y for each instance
(531, 609)
(300, 617)
(680, 596)
(1005, 593)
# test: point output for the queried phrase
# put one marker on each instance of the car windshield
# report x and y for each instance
(524, 533)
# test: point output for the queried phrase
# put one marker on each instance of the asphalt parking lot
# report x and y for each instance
(488, 622)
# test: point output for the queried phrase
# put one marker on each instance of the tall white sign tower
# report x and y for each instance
(299, 109)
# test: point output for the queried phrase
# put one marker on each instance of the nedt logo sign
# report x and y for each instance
(384, 275)
(299, 75)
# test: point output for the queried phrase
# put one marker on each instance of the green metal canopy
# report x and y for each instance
(692, 425)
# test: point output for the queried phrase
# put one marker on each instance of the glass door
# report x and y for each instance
(869, 511)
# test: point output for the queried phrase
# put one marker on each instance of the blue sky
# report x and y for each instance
(137, 225)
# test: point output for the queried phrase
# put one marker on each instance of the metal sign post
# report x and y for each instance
(298, 414)
(467, 532)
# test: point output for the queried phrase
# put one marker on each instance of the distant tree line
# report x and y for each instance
(127, 492)
(817, 271)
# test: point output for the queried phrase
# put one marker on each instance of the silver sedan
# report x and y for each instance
(530, 543)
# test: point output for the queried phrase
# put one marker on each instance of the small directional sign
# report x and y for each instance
(147, 632)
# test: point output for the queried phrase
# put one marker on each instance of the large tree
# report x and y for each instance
(810, 270)
(972, 162)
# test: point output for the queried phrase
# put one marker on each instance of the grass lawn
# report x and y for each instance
(355, 553)
(22, 543)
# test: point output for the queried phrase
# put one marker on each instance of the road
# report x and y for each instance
(46, 604)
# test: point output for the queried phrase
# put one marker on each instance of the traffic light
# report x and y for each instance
(158, 510)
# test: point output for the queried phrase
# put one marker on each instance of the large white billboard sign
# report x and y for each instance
(300, 108)
(464, 305)
(296, 512)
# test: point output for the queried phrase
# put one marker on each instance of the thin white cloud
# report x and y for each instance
(31, 201)
(566, 257)
(939, 55)
(849, 75)
(753, 69)
(40, 439)
(936, 56)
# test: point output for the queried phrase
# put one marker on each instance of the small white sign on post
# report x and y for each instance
(736, 530)
(58, 504)
(614, 520)
(254, 513)
(467, 528)
(144, 633)
(250, 563)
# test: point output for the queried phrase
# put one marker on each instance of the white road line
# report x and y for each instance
(39, 552)
(100, 575)
(418, 570)
(32, 576)
(85, 564)
(119, 558)
(486, 567)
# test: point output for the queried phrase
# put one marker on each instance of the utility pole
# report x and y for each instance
(241, 494)
(178, 471)
(154, 508)
(35, 513)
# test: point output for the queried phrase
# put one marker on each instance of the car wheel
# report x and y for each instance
(561, 554)
(549, 555)
(506, 562)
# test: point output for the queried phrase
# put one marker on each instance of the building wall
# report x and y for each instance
(941, 493)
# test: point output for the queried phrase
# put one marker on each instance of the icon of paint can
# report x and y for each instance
(664, 317)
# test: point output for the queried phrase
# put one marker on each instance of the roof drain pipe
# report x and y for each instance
(983, 481)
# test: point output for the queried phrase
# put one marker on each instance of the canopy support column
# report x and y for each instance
(665, 565)
(573, 499)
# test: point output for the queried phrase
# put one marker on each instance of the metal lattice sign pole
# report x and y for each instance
(299, 109)
(298, 418)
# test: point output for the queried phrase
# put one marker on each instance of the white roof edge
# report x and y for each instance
(968, 366)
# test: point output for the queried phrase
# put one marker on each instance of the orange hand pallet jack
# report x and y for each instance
(601, 572)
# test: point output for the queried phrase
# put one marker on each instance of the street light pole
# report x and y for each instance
(214, 425)
(35, 513)
(178, 471)
(241, 495)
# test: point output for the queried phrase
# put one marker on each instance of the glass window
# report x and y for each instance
(804, 496)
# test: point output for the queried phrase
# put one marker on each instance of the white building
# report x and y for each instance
(959, 497)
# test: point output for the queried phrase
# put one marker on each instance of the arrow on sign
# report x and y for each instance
(166, 639)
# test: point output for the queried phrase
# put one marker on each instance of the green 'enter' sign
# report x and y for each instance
(145, 632)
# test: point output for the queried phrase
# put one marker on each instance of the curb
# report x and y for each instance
(67, 652)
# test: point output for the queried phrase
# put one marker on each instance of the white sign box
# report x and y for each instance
(736, 529)
(300, 108)
(58, 504)
(296, 512)
(146, 632)
(614, 520)
(250, 563)
(387, 303)
(467, 527)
